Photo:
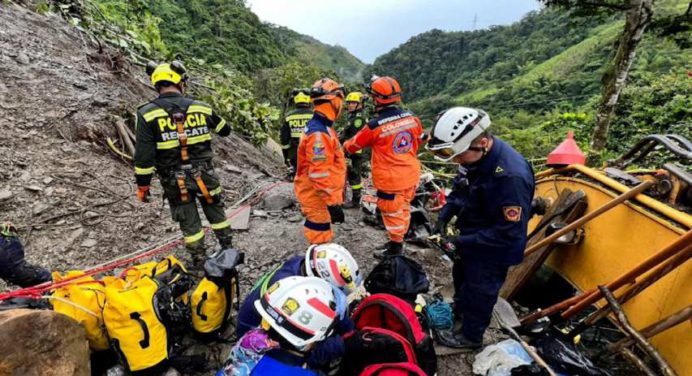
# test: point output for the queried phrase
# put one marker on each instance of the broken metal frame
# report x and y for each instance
(632, 333)
(674, 143)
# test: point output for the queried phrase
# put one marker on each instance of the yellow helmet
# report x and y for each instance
(174, 72)
(354, 96)
(301, 98)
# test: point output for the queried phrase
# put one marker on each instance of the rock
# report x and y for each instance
(295, 218)
(91, 214)
(279, 198)
(40, 208)
(34, 188)
(5, 195)
(74, 235)
(47, 180)
(171, 372)
(42, 342)
(22, 59)
(346, 227)
(89, 243)
(259, 213)
(232, 168)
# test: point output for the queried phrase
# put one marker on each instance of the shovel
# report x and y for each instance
(508, 320)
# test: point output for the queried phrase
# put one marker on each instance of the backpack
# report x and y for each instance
(399, 276)
(389, 312)
(82, 301)
(393, 369)
(135, 326)
(391, 347)
(212, 299)
(151, 268)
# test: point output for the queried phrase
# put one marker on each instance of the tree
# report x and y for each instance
(638, 15)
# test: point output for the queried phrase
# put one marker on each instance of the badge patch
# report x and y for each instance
(499, 170)
(512, 213)
(402, 142)
(290, 306)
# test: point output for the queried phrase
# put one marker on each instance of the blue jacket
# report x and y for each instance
(325, 351)
(493, 210)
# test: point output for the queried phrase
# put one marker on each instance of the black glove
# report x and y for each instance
(336, 212)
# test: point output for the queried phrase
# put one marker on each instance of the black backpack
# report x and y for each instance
(399, 276)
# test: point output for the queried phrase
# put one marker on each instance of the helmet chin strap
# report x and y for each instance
(480, 149)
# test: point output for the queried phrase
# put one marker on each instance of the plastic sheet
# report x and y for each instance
(499, 359)
(565, 358)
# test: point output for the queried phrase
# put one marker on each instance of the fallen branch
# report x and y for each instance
(634, 334)
(122, 130)
(662, 325)
(117, 151)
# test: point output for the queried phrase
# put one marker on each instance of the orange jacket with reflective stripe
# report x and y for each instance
(394, 136)
(321, 167)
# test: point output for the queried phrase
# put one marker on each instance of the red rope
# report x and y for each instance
(38, 290)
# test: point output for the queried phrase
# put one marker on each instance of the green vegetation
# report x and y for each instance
(541, 76)
(240, 65)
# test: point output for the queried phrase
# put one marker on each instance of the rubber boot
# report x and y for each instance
(355, 200)
(198, 256)
(27, 275)
(391, 248)
(225, 238)
(461, 342)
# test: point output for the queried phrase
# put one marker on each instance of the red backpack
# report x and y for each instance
(389, 312)
(393, 369)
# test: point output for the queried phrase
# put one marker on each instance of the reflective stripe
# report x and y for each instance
(357, 186)
(395, 214)
(144, 171)
(286, 146)
(215, 192)
(319, 174)
(296, 134)
(219, 127)
(392, 228)
(195, 237)
(151, 115)
(198, 139)
(221, 225)
(172, 144)
(199, 108)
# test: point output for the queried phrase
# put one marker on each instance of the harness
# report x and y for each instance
(178, 116)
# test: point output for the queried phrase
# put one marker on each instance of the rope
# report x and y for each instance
(130, 258)
(73, 304)
(440, 315)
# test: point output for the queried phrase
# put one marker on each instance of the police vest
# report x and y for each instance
(297, 123)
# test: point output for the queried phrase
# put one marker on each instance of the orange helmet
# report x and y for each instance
(385, 90)
(326, 89)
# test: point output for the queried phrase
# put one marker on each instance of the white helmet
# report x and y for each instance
(334, 264)
(301, 309)
(454, 131)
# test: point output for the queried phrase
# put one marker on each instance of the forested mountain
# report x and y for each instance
(542, 75)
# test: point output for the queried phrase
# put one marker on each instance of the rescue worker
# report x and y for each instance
(356, 121)
(492, 204)
(394, 135)
(293, 127)
(321, 172)
(332, 263)
(14, 268)
(297, 314)
(174, 140)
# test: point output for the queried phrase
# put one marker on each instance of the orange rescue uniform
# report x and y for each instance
(394, 136)
(320, 177)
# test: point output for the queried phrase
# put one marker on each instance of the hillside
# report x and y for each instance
(309, 50)
(529, 74)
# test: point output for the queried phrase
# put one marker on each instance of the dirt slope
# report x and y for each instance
(74, 201)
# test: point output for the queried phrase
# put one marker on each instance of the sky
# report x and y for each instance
(370, 28)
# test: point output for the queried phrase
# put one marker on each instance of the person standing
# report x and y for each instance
(292, 128)
(492, 204)
(394, 135)
(321, 172)
(174, 140)
(356, 121)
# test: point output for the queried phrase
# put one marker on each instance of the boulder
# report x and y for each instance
(41, 342)
(279, 198)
